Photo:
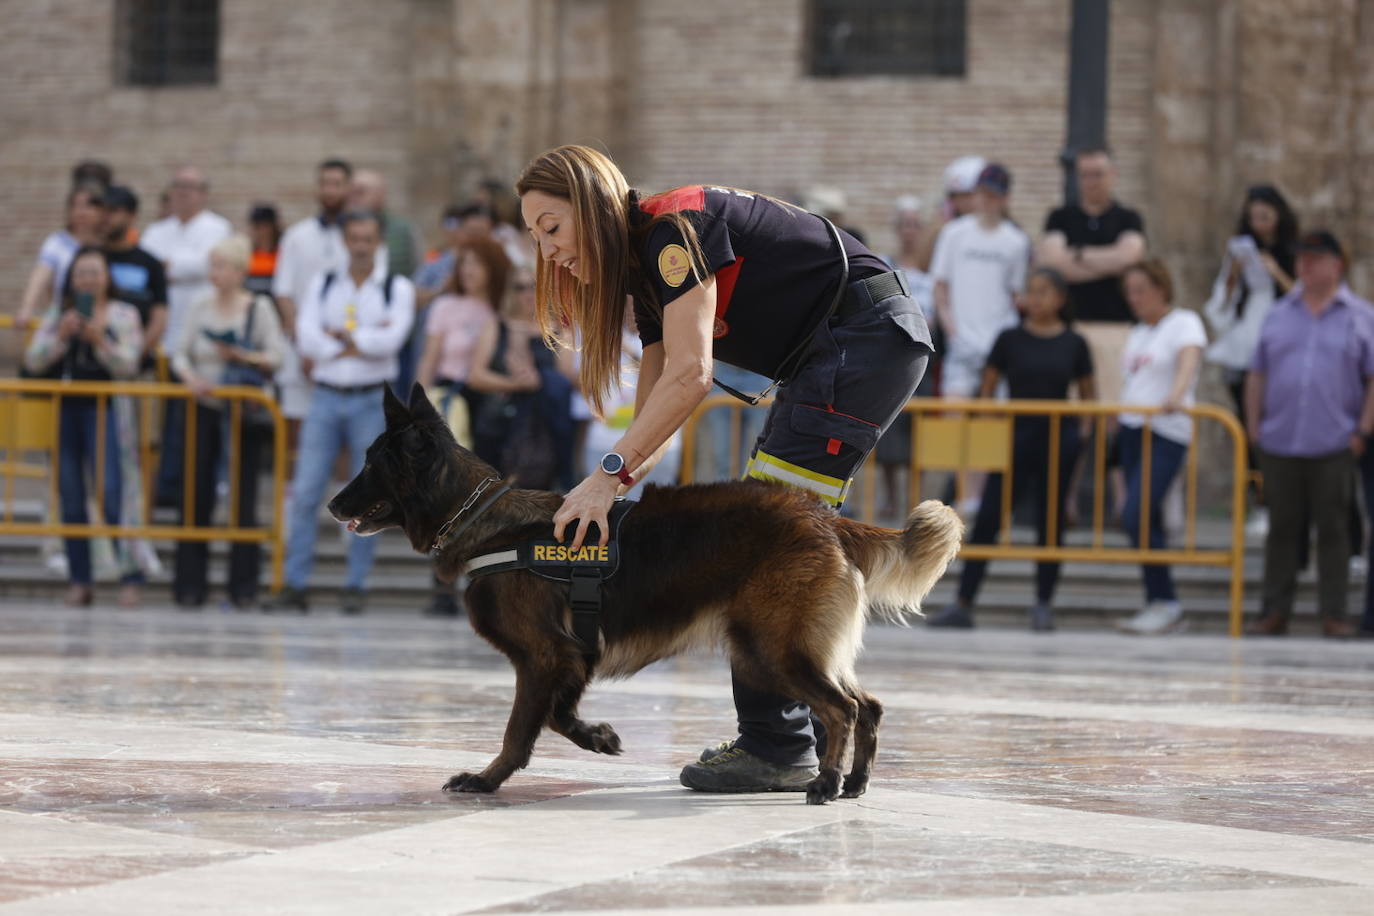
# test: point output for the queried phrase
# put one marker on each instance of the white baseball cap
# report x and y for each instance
(961, 175)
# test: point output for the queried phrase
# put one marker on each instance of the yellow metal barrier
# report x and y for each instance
(976, 435)
(29, 415)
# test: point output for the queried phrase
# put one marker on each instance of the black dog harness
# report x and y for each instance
(584, 570)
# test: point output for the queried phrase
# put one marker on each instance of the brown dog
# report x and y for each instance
(768, 572)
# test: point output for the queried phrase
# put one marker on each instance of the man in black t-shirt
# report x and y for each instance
(1091, 243)
(139, 278)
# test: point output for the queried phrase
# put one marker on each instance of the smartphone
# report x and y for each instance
(84, 303)
(228, 338)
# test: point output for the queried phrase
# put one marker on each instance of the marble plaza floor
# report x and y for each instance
(156, 762)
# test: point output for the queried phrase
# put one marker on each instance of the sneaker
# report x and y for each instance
(353, 601)
(1155, 619)
(1258, 525)
(80, 596)
(956, 616)
(1359, 568)
(716, 750)
(1041, 617)
(444, 604)
(288, 599)
(737, 770)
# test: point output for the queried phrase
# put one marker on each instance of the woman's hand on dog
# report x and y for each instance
(588, 502)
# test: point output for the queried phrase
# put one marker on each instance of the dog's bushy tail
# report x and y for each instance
(901, 567)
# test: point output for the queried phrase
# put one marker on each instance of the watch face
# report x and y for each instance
(612, 463)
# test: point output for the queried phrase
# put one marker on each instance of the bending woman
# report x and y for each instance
(736, 276)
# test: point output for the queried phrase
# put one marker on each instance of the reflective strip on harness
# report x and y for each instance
(492, 559)
(764, 466)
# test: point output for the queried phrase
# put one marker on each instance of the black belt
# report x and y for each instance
(862, 294)
(350, 389)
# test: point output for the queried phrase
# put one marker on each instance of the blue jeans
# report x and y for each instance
(713, 441)
(79, 435)
(334, 419)
(1166, 457)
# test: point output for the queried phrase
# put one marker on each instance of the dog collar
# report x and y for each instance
(447, 532)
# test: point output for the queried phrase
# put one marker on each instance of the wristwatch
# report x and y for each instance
(614, 464)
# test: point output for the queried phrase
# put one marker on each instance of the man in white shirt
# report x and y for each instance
(308, 248)
(182, 242)
(979, 269)
(350, 325)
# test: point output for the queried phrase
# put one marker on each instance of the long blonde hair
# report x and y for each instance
(600, 199)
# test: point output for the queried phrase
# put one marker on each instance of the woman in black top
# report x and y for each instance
(1040, 359)
(732, 275)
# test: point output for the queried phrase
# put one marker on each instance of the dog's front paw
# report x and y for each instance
(855, 784)
(824, 788)
(603, 739)
(470, 782)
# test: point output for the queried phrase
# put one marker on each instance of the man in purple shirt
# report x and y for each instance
(1309, 407)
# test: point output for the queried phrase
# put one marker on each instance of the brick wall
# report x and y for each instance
(719, 94)
(296, 85)
(437, 94)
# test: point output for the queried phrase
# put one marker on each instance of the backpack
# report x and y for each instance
(386, 287)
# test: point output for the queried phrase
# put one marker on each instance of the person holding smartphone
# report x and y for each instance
(91, 337)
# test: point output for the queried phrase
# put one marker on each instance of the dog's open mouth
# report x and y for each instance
(373, 511)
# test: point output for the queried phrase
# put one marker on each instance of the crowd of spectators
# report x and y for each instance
(347, 299)
(1099, 315)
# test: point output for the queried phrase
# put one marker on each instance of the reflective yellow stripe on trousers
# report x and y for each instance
(764, 466)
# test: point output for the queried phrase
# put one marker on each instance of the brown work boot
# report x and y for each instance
(1337, 628)
(1270, 624)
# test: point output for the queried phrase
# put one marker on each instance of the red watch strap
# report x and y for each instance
(625, 477)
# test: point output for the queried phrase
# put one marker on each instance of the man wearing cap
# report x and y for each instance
(960, 177)
(1310, 408)
(979, 269)
(1091, 243)
(139, 278)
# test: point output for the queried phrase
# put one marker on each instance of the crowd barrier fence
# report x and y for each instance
(30, 412)
(977, 436)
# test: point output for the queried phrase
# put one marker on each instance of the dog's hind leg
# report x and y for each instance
(600, 738)
(803, 679)
(865, 740)
(534, 692)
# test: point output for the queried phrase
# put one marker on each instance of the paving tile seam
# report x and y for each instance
(244, 668)
(1250, 901)
(1230, 847)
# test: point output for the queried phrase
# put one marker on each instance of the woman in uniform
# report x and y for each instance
(732, 275)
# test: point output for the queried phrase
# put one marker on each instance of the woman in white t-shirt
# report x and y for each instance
(85, 226)
(1159, 369)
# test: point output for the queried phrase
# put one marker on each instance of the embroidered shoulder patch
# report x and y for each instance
(673, 265)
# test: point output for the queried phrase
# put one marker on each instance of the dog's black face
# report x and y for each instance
(411, 474)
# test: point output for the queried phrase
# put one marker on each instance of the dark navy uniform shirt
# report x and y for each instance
(776, 267)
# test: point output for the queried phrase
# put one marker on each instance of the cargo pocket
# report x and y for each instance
(905, 313)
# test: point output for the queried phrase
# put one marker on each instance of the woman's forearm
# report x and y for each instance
(1188, 361)
(673, 397)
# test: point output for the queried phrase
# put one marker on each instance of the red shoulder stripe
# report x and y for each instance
(692, 197)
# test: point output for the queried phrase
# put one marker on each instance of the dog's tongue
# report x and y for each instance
(352, 524)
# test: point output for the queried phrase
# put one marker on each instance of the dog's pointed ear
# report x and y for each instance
(395, 412)
(421, 407)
